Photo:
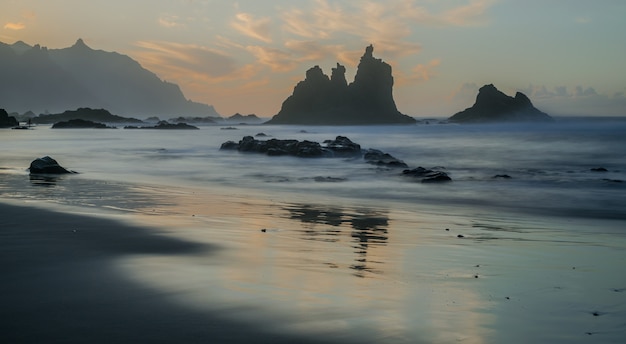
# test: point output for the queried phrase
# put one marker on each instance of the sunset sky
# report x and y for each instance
(568, 56)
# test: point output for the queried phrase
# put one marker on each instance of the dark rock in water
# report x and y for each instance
(166, 125)
(261, 135)
(613, 180)
(321, 179)
(320, 100)
(229, 128)
(599, 169)
(7, 121)
(427, 176)
(342, 146)
(502, 176)
(376, 157)
(493, 106)
(80, 124)
(229, 145)
(47, 165)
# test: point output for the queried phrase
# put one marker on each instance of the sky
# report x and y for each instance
(567, 56)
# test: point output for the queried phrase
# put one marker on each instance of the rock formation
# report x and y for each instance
(7, 121)
(493, 106)
(340, 147)
(320, 100)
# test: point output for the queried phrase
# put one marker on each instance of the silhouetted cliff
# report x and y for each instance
(320, 100)
(494, 106)
(54, 80)
(7, 121)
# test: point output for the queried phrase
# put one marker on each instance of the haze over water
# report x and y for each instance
(372, 256)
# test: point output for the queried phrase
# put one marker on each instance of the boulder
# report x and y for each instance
(493, 106)
(47, 165)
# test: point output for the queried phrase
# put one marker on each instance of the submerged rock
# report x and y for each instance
(166, 125)
(427, 175)
(47, 165)
(378, 158)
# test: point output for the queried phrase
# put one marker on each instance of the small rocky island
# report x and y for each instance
(88, 114)
(80, 124)
(320, 100)
(493, 106)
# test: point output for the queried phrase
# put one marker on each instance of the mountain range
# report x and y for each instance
(38, 79)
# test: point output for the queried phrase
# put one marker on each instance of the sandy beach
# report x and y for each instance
(59, 286)
(302, 273)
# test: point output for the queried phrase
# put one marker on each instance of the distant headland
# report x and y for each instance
(40, 80)
(493, 106)
(320, 100)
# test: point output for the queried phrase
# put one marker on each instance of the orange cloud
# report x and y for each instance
(14, 26)
(278, 60)
(170, 22)
(472, 14)
(256, 28)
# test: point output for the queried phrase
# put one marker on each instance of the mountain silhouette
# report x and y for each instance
(53, 80)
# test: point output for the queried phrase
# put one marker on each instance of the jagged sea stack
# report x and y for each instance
(493, 106)
(320, 100)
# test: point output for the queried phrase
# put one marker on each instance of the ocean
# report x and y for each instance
(360, 252)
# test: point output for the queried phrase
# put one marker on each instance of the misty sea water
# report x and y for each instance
(336, 246)
(551, 166)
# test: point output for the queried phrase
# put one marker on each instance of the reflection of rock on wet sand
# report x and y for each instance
(367, 228)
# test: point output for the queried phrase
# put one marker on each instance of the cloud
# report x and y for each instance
(369, 22)
(472, 14)
(178, 59)
(426, 71)
(278, 60)
(170, 22)
(247, 25)
(576, 100)
(15, 26)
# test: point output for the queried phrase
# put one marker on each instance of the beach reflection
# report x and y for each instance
(367, 229)
(45, 180)
(366, 274)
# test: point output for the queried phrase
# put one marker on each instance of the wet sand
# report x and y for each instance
(59, 285)
(241, 268)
